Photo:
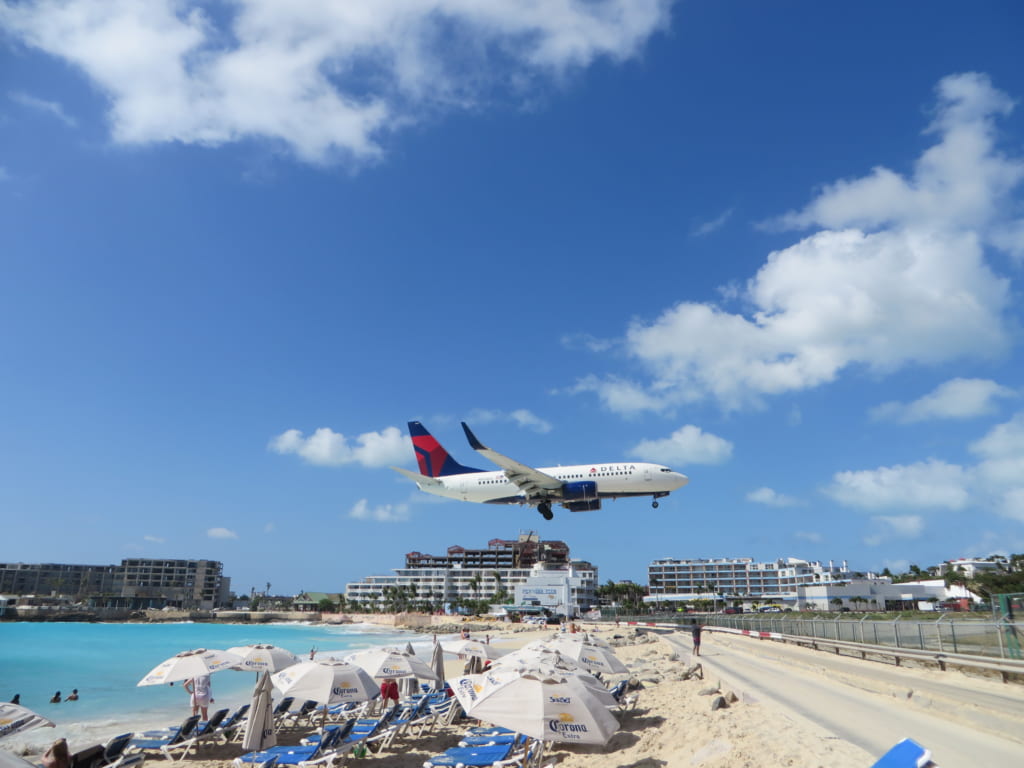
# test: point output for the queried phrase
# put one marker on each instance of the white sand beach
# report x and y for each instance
(673, 723)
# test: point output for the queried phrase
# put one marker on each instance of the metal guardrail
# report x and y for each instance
(1005, 667)
(943, 659)
(984, 638)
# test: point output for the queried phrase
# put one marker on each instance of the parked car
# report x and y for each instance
(730, 609)
(770, 609)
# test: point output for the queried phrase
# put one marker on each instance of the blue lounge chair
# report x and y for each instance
(182, 732)
(470, 756)
(906, 754)
(514, 739)
(294, 755)
(204, 732)
(294, 718)
(229, 725)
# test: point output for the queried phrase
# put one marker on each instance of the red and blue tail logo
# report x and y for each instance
(433, 459)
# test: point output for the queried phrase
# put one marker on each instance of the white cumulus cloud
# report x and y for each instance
(772, 498)
(325, 78)
(325, 447)
(382, 513)
(221, 533)
(687, 445)
(954, 399)
(930, 484)
(895, 277)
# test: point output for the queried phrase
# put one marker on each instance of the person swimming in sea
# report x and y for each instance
(56, 698)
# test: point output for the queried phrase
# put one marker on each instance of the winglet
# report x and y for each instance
(475, 444)
(420, 480)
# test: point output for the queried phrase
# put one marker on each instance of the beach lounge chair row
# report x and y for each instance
(182, 739)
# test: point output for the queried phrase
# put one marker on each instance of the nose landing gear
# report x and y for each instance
(654, 504)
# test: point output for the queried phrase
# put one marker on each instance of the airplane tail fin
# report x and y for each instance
(433, 459)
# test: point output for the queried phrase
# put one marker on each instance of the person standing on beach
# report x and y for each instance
(202, 696)
(695, 633)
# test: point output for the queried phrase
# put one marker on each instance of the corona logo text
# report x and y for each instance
(566, 727)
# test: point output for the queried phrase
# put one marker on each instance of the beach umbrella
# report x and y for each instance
(259, 727)
(263, 658)
(543, 706)
(437, 664)
(15, 718)
(189, 664)
(591, 639)
(537, 652)
(326, 681)
(472, 648)
(390, 663)
(593, 658)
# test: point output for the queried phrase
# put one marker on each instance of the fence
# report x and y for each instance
(996, 639)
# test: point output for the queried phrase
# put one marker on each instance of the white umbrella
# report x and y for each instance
(263, 658)
(390, 663)
(259, 728)
(189, 664)
(593, 658)
(437, 664)
(543, 706)
(327, 682)
(533, 653)
(15, 718)
(472, 648)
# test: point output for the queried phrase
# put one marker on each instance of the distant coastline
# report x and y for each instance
(417, 622)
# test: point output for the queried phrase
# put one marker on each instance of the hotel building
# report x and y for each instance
(738, 579)
(506, 565)
(136, 584)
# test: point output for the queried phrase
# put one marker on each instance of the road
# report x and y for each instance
(965, 722)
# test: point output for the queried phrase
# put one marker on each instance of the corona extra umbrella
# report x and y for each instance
(189, 664)
(472, 648)
(593, 658)
(263, 658)
(327, 682)
(546, 707)
(15, 718)
(390, 664)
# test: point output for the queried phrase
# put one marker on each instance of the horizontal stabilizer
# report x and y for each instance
(420, 480)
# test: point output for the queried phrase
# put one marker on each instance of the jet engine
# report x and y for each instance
(584, 489)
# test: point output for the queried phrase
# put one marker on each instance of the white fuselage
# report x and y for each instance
(613, 480)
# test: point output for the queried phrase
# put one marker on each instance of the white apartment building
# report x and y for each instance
(480, 574)
(738, 579)
(970, 567)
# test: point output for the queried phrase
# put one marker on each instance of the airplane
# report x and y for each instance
(578, 488)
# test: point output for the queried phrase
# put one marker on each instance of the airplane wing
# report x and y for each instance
(531, 481)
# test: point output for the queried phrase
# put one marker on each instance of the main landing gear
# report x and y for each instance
(545, 509)
(654, 504)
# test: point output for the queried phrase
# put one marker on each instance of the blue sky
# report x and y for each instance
(778, 247)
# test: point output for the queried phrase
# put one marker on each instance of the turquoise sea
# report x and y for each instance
(106, 661)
